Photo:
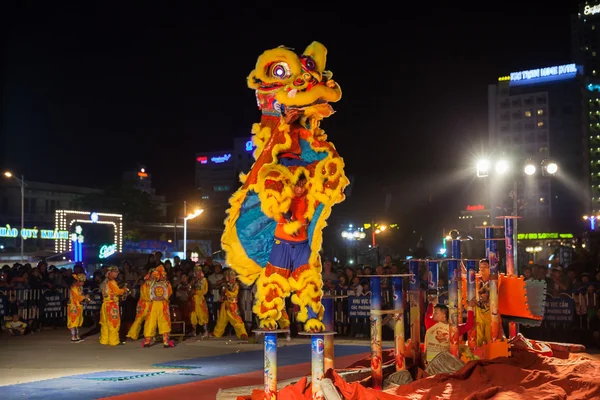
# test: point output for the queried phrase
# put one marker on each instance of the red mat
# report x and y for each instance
(525, 375)
(207, 389)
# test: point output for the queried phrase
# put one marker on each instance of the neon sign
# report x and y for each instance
(543, 74)
(11, 232)
(477, 207)
(107, 250)
(221, 159)
(544, 235)
(202, 160)
(591, 10)
(249, 145)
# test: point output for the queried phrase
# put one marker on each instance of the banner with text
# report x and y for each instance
(559, 309)
(359, 306)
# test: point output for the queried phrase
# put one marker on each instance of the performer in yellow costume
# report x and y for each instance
(110, 315)
(199, 314)
(75, 309)
(159, 315)
(142, 309)
(229, 312)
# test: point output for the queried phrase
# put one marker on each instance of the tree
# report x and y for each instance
(135, 205)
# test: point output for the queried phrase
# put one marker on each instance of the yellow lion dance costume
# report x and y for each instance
(273, 232)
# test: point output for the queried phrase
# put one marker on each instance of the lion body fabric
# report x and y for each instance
(273, 232)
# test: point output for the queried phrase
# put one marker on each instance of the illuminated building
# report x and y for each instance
(217, 175)
(541, 114)
(140, 179)
(585, 35)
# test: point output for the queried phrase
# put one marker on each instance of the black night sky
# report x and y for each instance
(91, 90)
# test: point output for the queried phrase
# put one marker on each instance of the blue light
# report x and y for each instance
(249, 145)
(593, 87)
(221, 159)
(94, 217)
(541, 75)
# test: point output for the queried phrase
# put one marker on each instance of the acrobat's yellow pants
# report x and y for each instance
(110, 323)
(141, 313)
(483, 320)
(75, 316)
(158, 317)
(199, 315)
(229, 314)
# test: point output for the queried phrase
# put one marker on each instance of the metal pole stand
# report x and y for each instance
(317, 346)
(376, 319)
(329, 322)
(471, 288)
(270, 360)
(414, 299)
(510, 237)
(453, 277)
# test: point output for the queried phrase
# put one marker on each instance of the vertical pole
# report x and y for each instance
(270, 365)
(514, 227)
(398, 322)
(491, 253)
(471, 283)
(317, 347)
(185, 238)
(22, 215)
(509, 237)
(415, 309)
(432, 277)
(453, 276)
(376, 352)
(456, 249)
(328, 322)
(457, 253)
(373, 234)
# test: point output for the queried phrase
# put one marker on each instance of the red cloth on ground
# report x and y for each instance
(525, 375)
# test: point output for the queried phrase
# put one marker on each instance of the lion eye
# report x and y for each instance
(280, 70)
(309, 63)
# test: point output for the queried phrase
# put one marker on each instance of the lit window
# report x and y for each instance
(205, 197)
(540, 124)
(528, 113)
(540, 112)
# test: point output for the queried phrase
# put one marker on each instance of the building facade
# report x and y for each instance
(541, 116)
(140, 179)
(217, 176)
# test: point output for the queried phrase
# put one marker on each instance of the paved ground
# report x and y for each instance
(50, 354)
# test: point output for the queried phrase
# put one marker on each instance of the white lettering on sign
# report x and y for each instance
(8, 231)
(543, 72)
(591, 10)
(221, 159)
(107, 250)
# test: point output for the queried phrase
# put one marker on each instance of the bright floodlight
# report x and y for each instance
(530, 169)
(551, 168)
(501, 166)
(8, 174)
(483, 167)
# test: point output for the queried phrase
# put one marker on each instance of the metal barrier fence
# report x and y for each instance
(51, 305)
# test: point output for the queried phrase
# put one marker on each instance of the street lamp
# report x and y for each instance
(533, 250)
(483, 168)
(530, 168)
(185, 220)
(21, 183)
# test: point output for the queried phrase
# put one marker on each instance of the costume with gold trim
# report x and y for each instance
(199, 315)
(75, 307)
(110, 314)
(159, 316)
(229, 312)
(142, 310)
(293, 93)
